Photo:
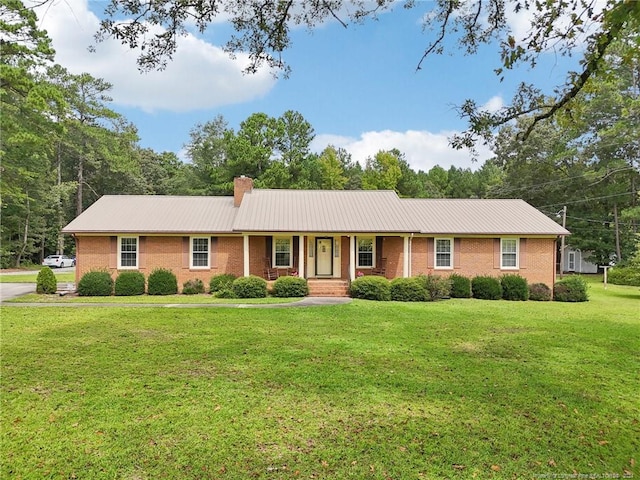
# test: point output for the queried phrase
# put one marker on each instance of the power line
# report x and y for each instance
(584, 200)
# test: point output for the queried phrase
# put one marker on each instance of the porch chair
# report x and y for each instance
(380, 268)
(270, 273)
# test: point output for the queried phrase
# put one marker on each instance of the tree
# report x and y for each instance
(382, 172)
(332, 175)
(262, 28)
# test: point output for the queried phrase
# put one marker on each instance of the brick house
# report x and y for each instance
(326, 236)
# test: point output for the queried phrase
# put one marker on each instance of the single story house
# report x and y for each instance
(326, 236)
(576, 261)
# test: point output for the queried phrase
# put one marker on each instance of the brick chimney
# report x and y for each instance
(241, 185)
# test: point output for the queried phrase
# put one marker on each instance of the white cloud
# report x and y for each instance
(422, 149)
(201, 75)
(494, 104)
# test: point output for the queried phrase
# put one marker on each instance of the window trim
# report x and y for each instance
(502, 253)
(191, 252)
(571, 261)
(435, 254)
(273, 251)
(137, 252)
(373, 251)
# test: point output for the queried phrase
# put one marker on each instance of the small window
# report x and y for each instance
(128, 254)
(509, 253)
(365, 252)
(200, 252)
(282, 252)
(444, 253)
(572, 261)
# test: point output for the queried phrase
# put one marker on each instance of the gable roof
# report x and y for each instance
(264, 210)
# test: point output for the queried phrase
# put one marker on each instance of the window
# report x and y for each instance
(365, 252)
(572, 261)
(444, 253)
(199, 252)
(509, 253)
(282, 252)
(128, 252)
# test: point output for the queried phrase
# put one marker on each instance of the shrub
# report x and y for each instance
(514, 287)
(437, 287)
(224, 293)
(46, 281)
(97, 283)
(249, 287)
(486, 288)
(460, 286)
(162, 282)
(540, 292)
(571, 289)
(221, 282)
(624, 275)
(290, 287)
(408, 290)
(371, 287)
(193, 287)
(129, 283)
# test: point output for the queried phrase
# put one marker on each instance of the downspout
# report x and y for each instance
(410, 254)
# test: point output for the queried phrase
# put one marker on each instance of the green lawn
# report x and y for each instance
(66, 277)
(148, 299)
(455, 389)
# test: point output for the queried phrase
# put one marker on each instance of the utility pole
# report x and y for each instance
(564, 225)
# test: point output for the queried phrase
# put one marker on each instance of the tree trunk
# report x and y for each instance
(25, 238)
(617, 226)
(79, 194)
(60, 243)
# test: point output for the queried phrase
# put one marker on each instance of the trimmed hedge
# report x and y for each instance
(437, 287)
(514, 287)
(221, 282)
(249, 287)
(46, 281)
(224, 293)
(290, 287)
(540, 292)
(193, 287)
(162, 282)
(571, 289)
(624, 276)
(129, 284)
(97, 283)
(460, 286)
(486, 288)
(371, 287)
(408, 290)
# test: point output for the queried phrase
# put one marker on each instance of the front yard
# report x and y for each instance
(453, 389)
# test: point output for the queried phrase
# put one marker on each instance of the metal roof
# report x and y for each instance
(479, 216)
(322, 211)
(155, 214)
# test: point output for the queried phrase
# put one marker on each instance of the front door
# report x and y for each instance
(324, 256)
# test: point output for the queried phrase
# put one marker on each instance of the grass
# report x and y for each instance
(63, 277)
(455, 389)
(148, 299)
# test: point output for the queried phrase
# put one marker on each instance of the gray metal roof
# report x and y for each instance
(312, 211)
(322, 211)
(479, 216)
(155, 214)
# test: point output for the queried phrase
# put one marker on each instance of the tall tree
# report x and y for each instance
(382, 172)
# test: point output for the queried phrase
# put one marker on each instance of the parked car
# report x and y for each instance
(59, 261)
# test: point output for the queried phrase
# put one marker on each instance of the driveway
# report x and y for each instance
(12, 290)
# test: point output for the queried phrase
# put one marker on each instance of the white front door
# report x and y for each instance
(324, 256)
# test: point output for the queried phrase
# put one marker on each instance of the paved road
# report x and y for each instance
(12, 290)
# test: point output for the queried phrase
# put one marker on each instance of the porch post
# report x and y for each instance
(405, 257)
(245, 251)
(301, 242)
(352, 257)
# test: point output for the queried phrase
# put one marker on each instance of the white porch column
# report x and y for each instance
(352, 257)
(405, 257)
(245, 251)
(301, 241)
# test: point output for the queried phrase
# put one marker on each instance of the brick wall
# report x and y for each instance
(393, 251)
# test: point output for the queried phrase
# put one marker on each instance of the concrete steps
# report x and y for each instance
(330, 287)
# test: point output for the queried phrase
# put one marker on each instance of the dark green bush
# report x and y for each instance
(408, 290)
(437, 287)
(162, 282)
(624, 275)
(514, 287)
(46, 281)
(221, 282)
(224, 293)
(486, 288)
(290, 287)
(371, 287)
(460, 286)
(540, 292)
(129, 283)
(571, 289)
(193, 287)
(250, 287)
(97, 283)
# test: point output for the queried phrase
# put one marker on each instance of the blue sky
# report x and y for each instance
(358, 87)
